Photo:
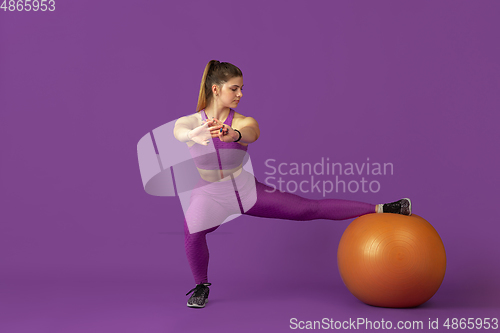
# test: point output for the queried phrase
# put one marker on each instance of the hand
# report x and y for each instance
(215, 126)
(203, 133)
(200, 134)
(225, 133)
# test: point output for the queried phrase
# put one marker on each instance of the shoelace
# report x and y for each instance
(199, 290)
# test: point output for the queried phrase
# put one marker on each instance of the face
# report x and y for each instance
(231, 92)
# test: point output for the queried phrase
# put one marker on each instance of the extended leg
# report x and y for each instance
(284, 205)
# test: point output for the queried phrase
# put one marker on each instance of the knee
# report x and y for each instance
(197, 236)
(309, 211)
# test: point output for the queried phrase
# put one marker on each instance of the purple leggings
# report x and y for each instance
(277, 205)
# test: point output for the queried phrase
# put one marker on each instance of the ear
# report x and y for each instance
(215, 89)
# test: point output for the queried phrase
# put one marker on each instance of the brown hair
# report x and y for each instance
(216, 73)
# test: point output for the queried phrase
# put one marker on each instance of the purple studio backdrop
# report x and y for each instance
(83, 248)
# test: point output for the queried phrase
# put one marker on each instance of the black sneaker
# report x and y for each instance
(402, 207)
(200, 296)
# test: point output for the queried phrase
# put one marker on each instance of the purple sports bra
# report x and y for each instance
(227, 155)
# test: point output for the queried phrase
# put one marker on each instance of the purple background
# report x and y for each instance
(85, 249)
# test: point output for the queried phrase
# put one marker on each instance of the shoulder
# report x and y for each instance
(196, 115)
(241, 120)
(190, 118)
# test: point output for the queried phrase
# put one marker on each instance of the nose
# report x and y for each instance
(240, 93)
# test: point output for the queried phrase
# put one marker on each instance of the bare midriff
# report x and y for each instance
(219, 175)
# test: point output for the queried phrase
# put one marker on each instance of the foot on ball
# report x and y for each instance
(402, 207)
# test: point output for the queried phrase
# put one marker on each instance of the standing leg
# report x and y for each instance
(206, 212)
(197, 253)
(203, 216)
(284, 205)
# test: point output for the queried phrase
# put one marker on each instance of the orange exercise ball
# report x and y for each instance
(391, 260)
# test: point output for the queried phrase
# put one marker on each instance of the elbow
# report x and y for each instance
(257, 134)
(176, 133)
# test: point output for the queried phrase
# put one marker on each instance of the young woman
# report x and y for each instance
(218, 138)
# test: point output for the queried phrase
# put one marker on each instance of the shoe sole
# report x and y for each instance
(196, 306)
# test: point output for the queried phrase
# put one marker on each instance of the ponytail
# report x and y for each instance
(202, 97)
(216, 73)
